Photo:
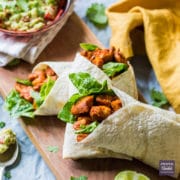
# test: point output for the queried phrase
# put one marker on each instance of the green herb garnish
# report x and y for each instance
(79, 178)
(159, 99)
(14, 62)
(96, 14)
(2, 124)
(114, 68)
(7, 174)
(88, 47)
(53, 149)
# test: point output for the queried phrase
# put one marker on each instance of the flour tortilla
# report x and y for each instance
(137, 130)
(58, 95)
(124, 81)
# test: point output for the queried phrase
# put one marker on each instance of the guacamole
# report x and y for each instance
(25, 15)
(7, 138)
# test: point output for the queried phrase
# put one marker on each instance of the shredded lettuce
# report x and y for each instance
(18, 106)
(86, 85)
(86, 129)
(114, 68)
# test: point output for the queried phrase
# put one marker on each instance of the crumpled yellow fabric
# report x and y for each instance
(160, 34)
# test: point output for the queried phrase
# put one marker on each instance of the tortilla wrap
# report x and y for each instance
(136, 130)
(124, 81)
(58, 95)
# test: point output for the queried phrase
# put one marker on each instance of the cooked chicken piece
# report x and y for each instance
(82, 120)
(37, 78)
(83, 105)
(116, 104)
(105, 99)
(49, 72)
(105, 54)
(80, 137)
(87, 54)
(99, 113)
(119, 57)
(24, 91)
(99, 62)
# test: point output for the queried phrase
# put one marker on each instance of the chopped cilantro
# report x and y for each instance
(53, 149)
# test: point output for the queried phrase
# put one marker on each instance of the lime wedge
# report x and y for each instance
(130, 175)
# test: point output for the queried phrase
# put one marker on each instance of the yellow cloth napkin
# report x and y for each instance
(161, 22)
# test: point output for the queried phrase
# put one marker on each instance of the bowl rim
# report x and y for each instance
(44, 29)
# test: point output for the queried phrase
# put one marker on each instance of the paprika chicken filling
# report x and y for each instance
(30, 93)
(111, 61)
(92, 110)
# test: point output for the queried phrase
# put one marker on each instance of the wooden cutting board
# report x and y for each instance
(45, 131)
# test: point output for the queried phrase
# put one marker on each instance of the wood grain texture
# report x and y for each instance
(45, 131)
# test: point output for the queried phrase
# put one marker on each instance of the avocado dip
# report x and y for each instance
(25, 15)
(7, 138)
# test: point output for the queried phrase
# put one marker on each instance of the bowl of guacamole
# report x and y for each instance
(24, 17)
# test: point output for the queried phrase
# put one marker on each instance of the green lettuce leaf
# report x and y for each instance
(88, 47)
(36, 96)
(18, 106)
(114, 68)
(46, 88)
(39, 97)
(86, 84)
(86, 129)
(65, 114)
(24, 81)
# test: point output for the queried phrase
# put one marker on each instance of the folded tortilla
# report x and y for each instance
(136, 130)
(58, 95)
(124, 81)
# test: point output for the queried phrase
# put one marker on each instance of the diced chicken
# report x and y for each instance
(24, 91)
(119, 57)
(116, 104)
(83, 105)
(37, 78)
(105, 100)
(99, 62)
(80, 137)
(82, 120)
(99, 113)
(49, 72)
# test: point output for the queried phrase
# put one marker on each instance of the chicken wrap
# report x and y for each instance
(133, 129)
(109, 63)
(44, 91)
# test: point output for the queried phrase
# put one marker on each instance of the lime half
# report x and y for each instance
(130, 175)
